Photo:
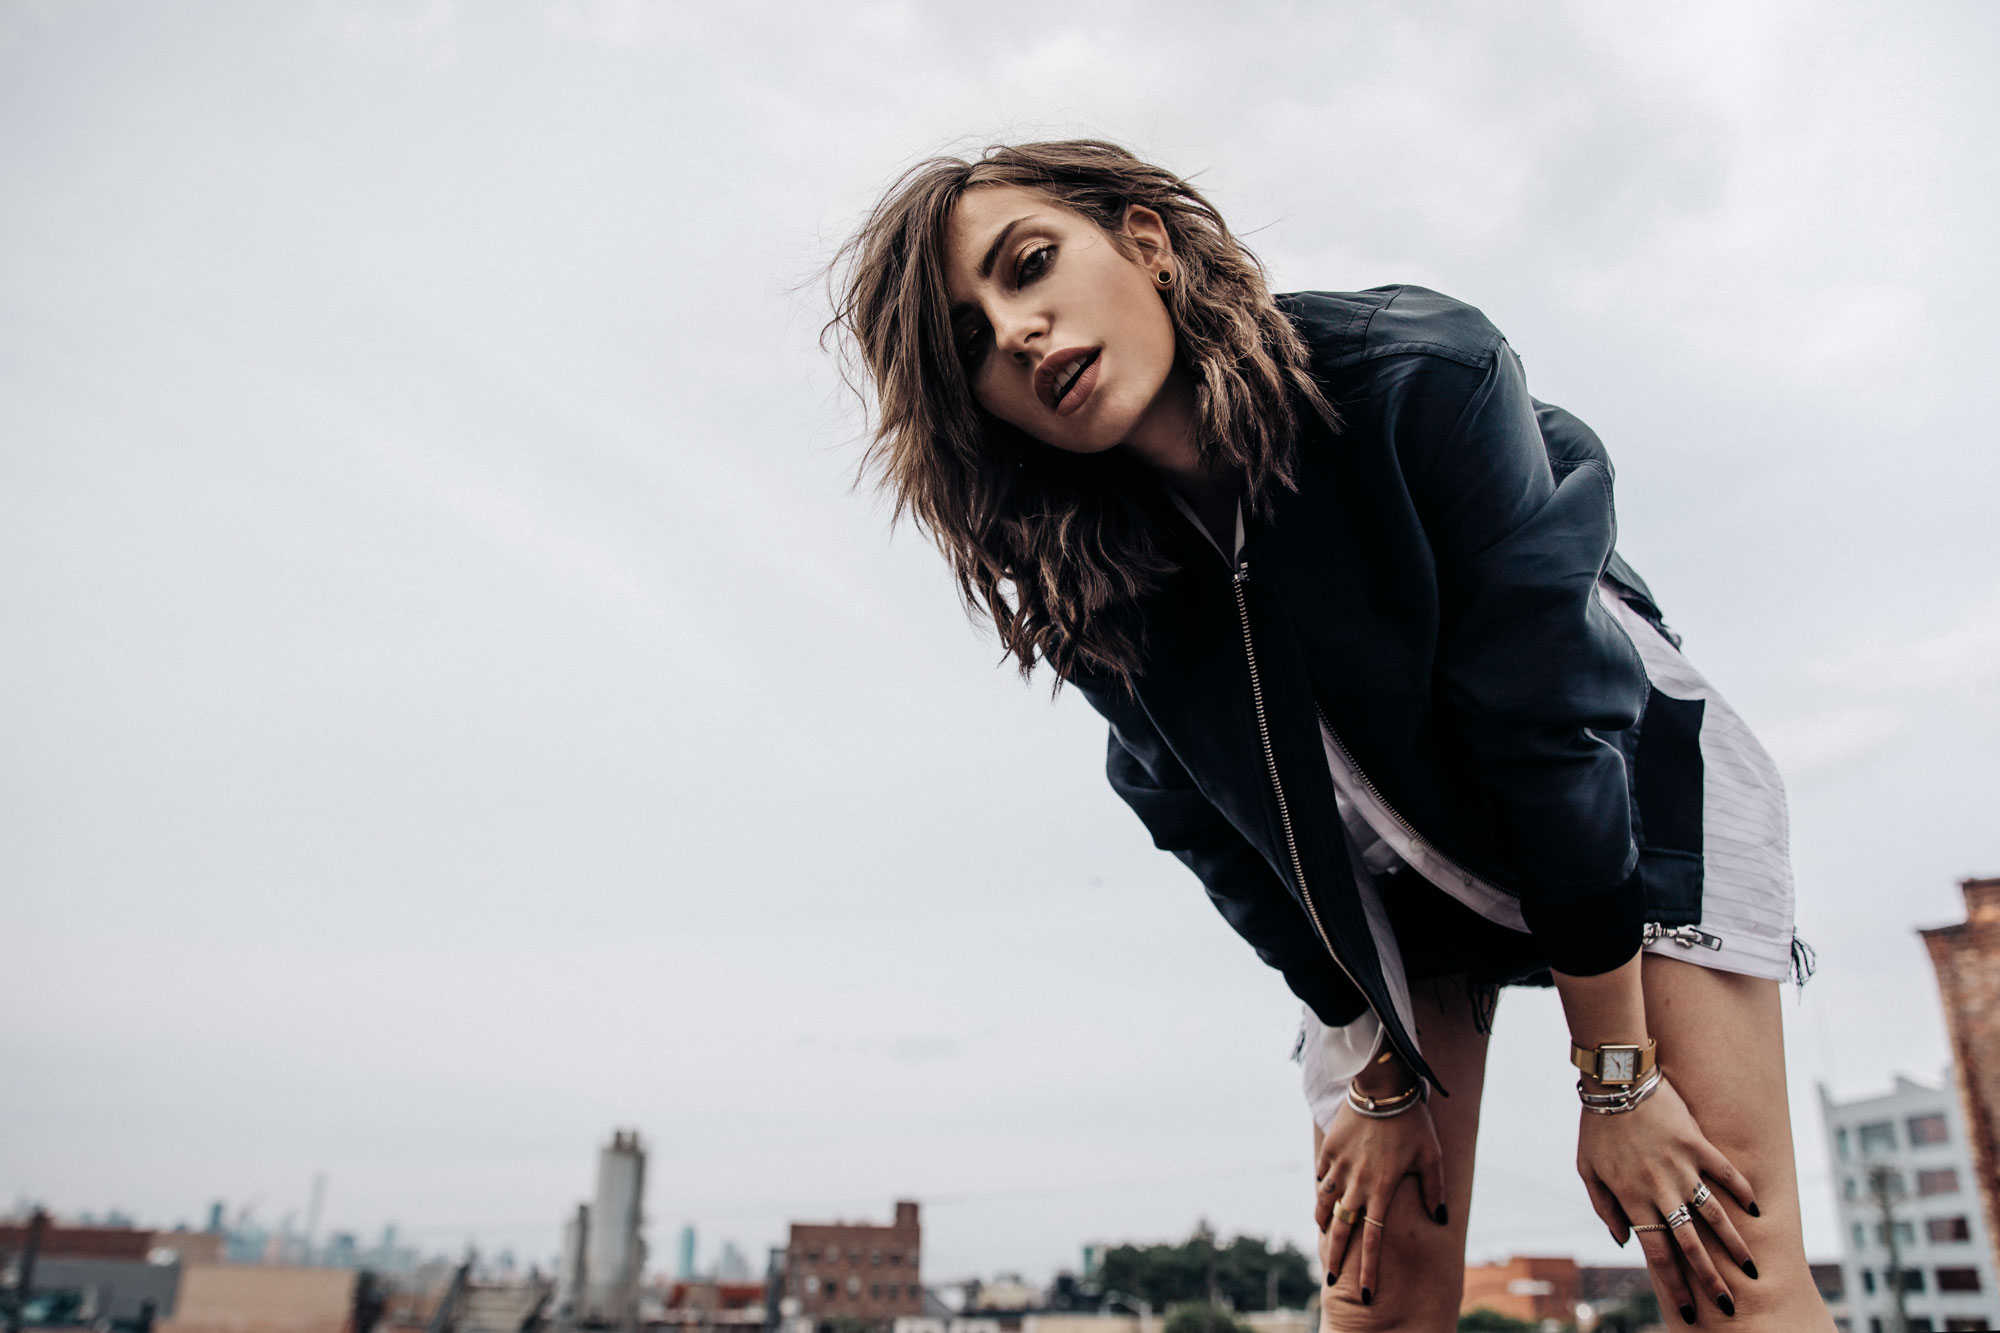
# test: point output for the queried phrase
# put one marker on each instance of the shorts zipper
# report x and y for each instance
(1688, 937)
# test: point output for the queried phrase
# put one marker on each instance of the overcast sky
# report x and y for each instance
(453, 704)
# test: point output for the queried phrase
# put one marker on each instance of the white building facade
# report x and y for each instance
(1913, 1140)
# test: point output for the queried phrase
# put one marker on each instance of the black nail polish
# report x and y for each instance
(1367, 1296)
(1750, 1269)
(1752, 1209)
(1331, 1277)
(1444, 1218)
(1687, 1313)
(1728, 1306)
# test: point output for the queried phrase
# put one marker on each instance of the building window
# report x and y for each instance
(1840, 1137)
(1906, 1234)
(1878, 1137)
(1921, 1323)
(1941, 1180)
(1860, 1237)
(1868, 1280)
(854, 1286)
(1971, 1324)
(1926, 1129)
(1913, 1278)
(895, 1260)
(812, 1285)
(875, 1257)
(1948, 1228)
(1958, 1279)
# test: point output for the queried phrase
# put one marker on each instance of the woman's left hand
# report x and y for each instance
(1643, 1165)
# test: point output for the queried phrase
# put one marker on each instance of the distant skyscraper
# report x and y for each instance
(615, 1255)
(684, 1264)
(732, 1266)
(570, 1271)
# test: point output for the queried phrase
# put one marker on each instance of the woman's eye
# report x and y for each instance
(1035, 263)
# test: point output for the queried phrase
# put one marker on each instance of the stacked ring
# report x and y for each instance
(1701, 1196)
(1679, 1217)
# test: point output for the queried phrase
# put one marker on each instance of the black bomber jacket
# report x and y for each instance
(1429, 588)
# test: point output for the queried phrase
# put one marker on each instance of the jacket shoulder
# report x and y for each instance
(1346, 328)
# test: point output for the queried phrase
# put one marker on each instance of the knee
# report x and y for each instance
(1412, 1311)
(1418, 1289)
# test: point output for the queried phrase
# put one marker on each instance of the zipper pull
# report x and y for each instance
(1688, 937)
(1242, 574)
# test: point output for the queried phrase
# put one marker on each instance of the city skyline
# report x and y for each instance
(455, 700)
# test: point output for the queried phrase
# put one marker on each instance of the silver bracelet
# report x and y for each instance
(1368, 1106)
(1621, 1101)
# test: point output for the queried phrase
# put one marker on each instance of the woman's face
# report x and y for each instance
(1060, 333)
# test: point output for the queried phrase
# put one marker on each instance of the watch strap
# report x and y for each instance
(1591, 1060)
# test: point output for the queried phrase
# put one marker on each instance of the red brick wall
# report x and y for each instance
(1967, 961)
(1524, 1287)
(863, 1272)
(60, 1242)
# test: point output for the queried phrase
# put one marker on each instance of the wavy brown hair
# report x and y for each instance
(1053, 546)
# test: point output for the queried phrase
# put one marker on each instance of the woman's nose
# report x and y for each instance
(1016, 334)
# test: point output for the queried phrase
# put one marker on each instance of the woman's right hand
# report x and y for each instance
(1361, 1164)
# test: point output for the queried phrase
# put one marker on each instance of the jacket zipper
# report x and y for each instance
(1240, 577)
(1688, 937)
(1417, 841)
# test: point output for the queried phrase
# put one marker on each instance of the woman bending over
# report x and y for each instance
(1347, 595)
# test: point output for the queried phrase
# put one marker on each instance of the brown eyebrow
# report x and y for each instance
(993, 250)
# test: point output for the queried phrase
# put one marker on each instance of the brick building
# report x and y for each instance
(1966, 958)
(1524, 1287)
(855, 1271)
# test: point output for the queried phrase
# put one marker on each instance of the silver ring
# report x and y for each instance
(1701, 1196)
(1679, 1217)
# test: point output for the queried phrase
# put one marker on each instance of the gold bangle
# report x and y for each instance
(1384, 1106)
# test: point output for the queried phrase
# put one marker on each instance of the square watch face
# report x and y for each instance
(1619, 1064)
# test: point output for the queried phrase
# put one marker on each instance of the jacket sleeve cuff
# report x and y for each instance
(1586, 936)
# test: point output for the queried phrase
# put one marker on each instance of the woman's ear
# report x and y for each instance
(1146, 231)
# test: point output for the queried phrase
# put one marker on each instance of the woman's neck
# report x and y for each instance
(1166, 441)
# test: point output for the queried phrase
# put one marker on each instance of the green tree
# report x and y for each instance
(1247, 1274)
(1492, 1321)
(1642, 1311)
(1201, 1317)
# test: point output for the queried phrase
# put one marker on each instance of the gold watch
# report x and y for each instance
(1615, 1065)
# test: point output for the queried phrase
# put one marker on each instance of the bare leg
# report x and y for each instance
(1423, 1264)
(1722, 1046)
